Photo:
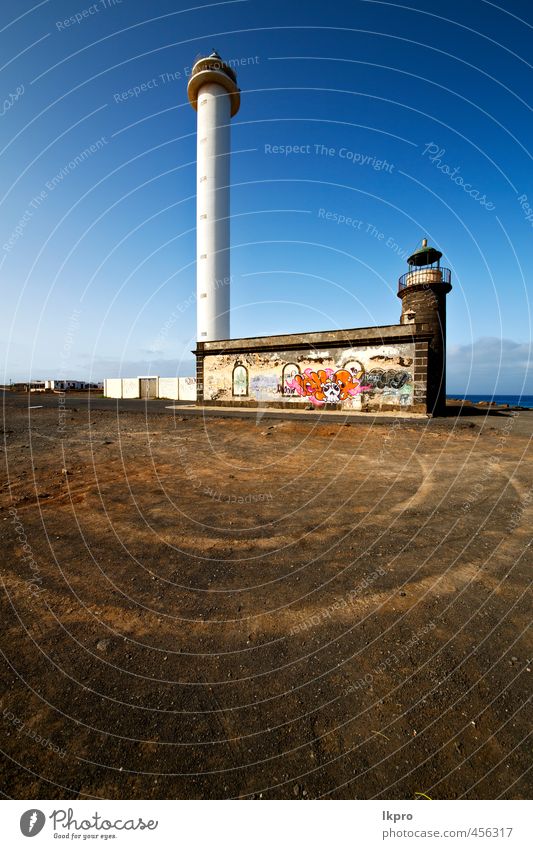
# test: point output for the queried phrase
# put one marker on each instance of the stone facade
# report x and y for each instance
(424, 307)
(364, 369)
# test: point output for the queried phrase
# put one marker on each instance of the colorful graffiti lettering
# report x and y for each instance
(379, 378)
(327, 386)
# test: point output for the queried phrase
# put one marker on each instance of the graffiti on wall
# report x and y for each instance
(371, 378)
(288, 373)
(327, 386)
(264, 385)
(379, 378)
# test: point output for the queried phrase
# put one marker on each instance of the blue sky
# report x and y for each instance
(358, 122)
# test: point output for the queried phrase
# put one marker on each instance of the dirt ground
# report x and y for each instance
(269, 609)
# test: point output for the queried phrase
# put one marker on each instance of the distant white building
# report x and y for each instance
(64, 385)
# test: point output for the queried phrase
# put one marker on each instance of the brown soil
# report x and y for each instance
(241, 608)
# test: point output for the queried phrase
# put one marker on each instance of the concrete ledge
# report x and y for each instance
(299, 407)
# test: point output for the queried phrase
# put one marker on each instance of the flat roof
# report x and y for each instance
(387, 333)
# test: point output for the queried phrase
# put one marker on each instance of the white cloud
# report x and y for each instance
(490, 364)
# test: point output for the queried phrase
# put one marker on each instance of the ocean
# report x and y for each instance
(512, 400)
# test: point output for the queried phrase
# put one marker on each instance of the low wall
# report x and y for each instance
(187, 388)
(130, 387)
(113, 387)
(169, 388)
(173, 388)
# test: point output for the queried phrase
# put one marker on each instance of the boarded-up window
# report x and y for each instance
(240, 380)
(290, 370)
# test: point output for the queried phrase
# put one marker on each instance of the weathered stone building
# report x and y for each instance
(368, 369)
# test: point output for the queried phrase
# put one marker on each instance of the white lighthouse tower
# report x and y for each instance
(214, 94)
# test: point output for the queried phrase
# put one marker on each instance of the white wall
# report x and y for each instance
(174, 388)
(113, 387)
(130, 387)
(168, 388)
(187, 388)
